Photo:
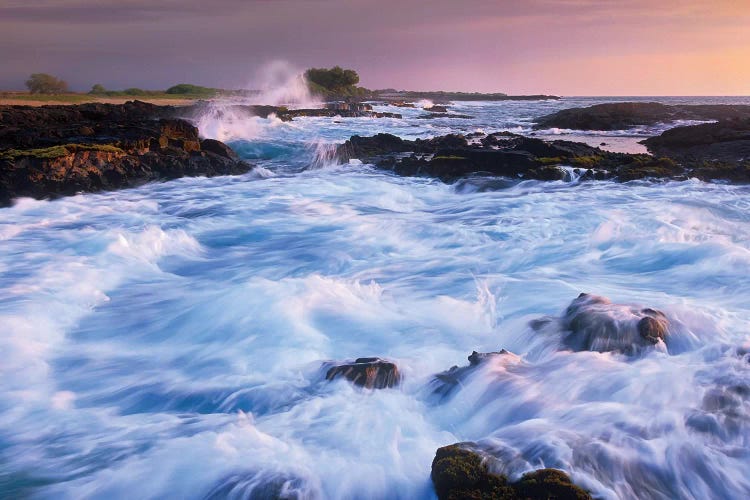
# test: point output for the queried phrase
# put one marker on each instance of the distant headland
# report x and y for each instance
(326, 84)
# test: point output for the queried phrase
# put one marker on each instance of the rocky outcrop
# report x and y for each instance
(52, 151)
(625, 115)
(594, 323)
(711, 151)
(370, 373)
(728, 140)
(461, 471)
(401, 104)
(437, 109)
(503, 154)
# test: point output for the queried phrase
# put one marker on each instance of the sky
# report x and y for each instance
(562, 47)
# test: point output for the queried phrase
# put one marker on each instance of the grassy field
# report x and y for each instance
(27, 99)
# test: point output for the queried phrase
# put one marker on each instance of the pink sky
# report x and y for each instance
(566, 47)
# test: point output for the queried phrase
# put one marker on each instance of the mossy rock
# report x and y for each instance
(548, 484)
(645, 166)
(554, 160)
(590, 161)
(720, 170)
(449, 158)
(56, 151)
(459, 472)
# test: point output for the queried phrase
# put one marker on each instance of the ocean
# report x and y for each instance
(167, 341)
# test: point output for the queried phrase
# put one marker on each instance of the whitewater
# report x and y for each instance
(167, 341)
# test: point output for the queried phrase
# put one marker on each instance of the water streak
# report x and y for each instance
(167, 341)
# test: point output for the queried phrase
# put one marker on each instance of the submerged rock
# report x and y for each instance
(370, 373)
(722, 412)
(461, 471)
(446, 382)
(261, 485)
(594, 323)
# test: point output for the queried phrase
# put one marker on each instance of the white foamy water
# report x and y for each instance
(166, 341)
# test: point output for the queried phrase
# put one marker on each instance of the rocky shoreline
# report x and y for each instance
(473, 470)
(62, 150)
(53, 151)
(718, 151)
(625, 115)
(59, 150)
(723, 141)
(680, 154)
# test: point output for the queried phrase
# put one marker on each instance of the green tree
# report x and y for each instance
(42, 83)
(98, 89)
(333, 79)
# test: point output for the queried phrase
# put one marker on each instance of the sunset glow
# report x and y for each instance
(568, 47)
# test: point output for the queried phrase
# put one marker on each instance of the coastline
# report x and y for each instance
(521, 206)
(58, 150)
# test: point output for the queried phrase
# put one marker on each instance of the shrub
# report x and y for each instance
(42, 83)
(134, 91)
(187, 88)
(98, 89)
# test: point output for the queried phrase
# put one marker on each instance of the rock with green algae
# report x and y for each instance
(503, 154)
(459, 472)
(547, 484)
(52, 151)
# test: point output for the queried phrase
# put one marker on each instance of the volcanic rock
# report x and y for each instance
(460, 471)
(502, 154)
(436, 109)
(710, 151)
(52, 151)
(370, 373)
(625, 115)
(594, 323)
(445, 383)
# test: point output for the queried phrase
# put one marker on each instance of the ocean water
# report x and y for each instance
(166, 341)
